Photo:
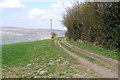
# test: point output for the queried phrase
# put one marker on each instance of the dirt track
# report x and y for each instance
(105, 61)
(110, 68)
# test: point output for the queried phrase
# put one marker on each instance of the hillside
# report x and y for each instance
(57, 58)
(39, 59)
(14, 35)
(88, 46)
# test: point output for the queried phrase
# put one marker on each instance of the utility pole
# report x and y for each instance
(51, 24)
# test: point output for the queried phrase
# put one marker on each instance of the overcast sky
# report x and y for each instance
(32, 13)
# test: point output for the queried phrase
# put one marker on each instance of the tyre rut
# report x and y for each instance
(103, 71)
(104, 62)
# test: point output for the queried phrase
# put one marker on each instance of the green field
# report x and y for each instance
(27, 58)
(19, 54)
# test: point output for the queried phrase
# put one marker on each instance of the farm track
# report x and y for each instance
(106, 62)
(100, 56)
(107, 71)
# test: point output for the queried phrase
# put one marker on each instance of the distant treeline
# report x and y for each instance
(94, 22)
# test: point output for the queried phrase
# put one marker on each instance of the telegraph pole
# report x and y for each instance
(51, 24)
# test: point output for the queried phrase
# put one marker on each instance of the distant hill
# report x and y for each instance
(9, 27)
(14, 34)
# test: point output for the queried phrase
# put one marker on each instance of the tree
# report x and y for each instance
(96, 22)
(53, 34)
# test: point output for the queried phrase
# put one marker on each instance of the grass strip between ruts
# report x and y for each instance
(80, 54)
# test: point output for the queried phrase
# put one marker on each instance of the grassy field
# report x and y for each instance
(40, 59)
(102, 51)
(19, 54)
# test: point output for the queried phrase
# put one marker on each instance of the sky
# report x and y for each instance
(33, 13)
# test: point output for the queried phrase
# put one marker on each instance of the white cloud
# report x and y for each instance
(62, 6)
(36, 12)
(58, 5)
(11, 4)
(65, 3)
